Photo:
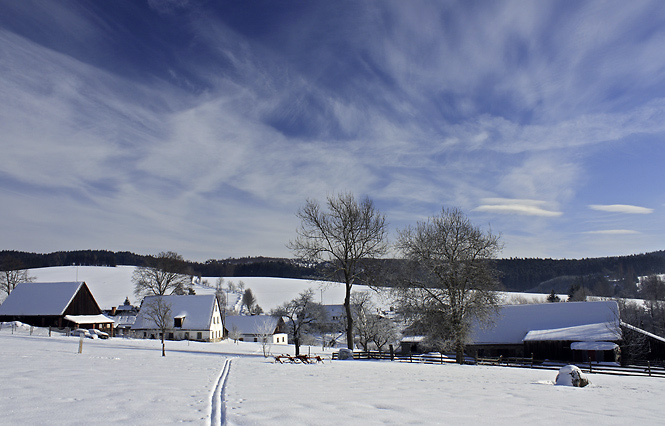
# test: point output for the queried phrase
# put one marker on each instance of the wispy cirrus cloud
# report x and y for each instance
(516, 206)
(621, 208)
(613, 232)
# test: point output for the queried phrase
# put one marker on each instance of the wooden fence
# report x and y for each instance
(643, 369)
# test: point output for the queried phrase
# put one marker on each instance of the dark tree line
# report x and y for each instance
(612, 276)
(244, 267)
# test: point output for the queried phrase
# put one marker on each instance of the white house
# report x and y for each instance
(192, 318)
(250, 328)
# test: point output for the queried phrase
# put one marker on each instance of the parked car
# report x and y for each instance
(99, 333)
(81, 332)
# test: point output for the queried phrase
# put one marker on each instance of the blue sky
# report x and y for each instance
(202, 126)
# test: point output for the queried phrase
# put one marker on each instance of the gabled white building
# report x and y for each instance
(192, 318)
(250, 328)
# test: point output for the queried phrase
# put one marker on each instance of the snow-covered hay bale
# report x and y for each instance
(571, 375)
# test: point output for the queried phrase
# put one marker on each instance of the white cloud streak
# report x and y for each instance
(621, 208)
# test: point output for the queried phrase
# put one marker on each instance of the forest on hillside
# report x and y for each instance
(606, 276)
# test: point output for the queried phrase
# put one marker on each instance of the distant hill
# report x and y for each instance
(242, 267)
(605, 276)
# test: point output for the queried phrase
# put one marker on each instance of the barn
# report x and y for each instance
(59, 305)
(565, 331)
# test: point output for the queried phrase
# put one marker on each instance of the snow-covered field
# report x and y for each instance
(123, 381)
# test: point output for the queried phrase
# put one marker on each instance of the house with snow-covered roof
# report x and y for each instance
(59, 305)
(250, 328)
(563, 331)
(192, 317)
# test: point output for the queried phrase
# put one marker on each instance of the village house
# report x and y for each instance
(193, 317)
(564, 331)
(250, 328)
(59, 305)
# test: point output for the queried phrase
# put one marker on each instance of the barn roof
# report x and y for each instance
(609, 331)
(40, 298)
(195, 310)
(513, 322)
(251, 324)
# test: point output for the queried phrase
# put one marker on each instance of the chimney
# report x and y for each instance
(113, 311)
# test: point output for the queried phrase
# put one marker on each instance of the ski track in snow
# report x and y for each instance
(217, 403)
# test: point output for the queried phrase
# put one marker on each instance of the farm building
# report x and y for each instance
(571, 331)
(59, 305)
(191, 318)
(250, 328)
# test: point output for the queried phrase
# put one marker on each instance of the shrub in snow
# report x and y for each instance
(345, 354)
(571, 375)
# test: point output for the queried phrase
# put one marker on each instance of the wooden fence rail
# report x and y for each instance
(646, 369)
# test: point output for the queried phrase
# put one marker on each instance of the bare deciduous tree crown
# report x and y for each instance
(164, 275)
(450, 279)
(344, 235)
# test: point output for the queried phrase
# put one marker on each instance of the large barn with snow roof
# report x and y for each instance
(192, 317)
(564, 331)
(58, 305)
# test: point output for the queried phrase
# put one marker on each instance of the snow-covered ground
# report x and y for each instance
(123, 381)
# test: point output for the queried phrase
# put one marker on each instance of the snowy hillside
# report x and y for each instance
(110, 286)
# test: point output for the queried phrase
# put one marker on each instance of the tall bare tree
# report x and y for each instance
(164, 274)
(12, 273)
(451, 280)
(160, 312)
(349, 233)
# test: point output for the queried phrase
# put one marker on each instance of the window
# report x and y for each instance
(170, 336)
(186, 336)
(199, 335)
(177, 322)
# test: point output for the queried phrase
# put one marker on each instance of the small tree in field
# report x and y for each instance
(160, 312)
(303, 314)
(345, 236)
(449, 280)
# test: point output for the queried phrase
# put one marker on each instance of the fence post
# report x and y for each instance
(649, 367)
(392, 352)
(589, 366)
(531, 359)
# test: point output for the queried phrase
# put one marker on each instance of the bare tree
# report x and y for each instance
(235, 334)
(163, 275)
(265, 331)
(371, 327)
(221, 296)
(303, 314)
(451, 280)
(160, 312)
(12, 273)
(345, 236)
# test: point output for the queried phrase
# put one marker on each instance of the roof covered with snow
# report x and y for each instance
(89, 319)
(251, 324)
(578, 333)
(196, 311)
(513, 322)
(40, 298)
